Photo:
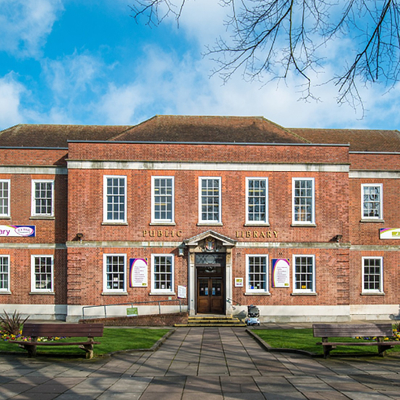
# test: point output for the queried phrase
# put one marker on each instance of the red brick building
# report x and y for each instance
(209, 214)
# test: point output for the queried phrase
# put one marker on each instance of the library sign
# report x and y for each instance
(17, 230)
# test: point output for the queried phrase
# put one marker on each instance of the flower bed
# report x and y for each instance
(5, 337)
(395, 336)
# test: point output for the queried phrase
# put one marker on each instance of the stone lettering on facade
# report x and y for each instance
(257, 234)
(161, 233)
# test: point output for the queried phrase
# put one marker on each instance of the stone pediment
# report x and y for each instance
(210, 235)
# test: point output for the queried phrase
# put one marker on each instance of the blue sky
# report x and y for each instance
(89, 62)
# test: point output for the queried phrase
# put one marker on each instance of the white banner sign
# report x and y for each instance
(17, 230)
(389, 233)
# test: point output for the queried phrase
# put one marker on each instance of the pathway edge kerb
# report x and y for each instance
(271, 349)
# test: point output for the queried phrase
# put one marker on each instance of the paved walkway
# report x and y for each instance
(202, 363)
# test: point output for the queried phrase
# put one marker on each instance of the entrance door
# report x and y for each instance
(210, 297)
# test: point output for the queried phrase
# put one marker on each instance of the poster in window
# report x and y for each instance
(138, 272)
(280, 273)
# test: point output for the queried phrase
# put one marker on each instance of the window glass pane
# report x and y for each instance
(256, 200)
(115, 272)
(115, 199)
(4, 198)
(371, 201)
(372, 274)
(304, 271)
(162, 273)
(4, 273)
(163, 199)
(43, 270)
(257, 270)
(303, 200)
(43, 200)
(210, 200)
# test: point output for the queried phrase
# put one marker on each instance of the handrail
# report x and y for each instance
(230, 300)
(132, 304)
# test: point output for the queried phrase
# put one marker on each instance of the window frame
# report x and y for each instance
(210, 222)
(33, 273)
(153, 200)
(294, 222)
(313, 282)
(372, 291)
(5, 289)
(153, 280)
(266, 219)
(105, 273)
(380, 186)
(266, 274)
(8, 214)
(34, 199)
(105, 200)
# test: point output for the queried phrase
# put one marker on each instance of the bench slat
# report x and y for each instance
(375, 343)
(351, 330)
(67, 330)
(50, 343)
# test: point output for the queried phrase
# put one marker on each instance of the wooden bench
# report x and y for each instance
(34, 331)
(378, 331)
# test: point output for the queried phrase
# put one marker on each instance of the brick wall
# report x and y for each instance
(85, 207)
(204, 153)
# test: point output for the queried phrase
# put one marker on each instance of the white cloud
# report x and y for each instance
(10, 99)
(72, 75)
(166, 84)
(119, 105)
(25, 25)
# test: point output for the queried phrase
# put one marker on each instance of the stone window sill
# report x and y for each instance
(257, 294)
(304, 294)
(302, 225)
(162, 223)
(210, 224)
(372, 293)
(45, 293)
(372, 220)
(114, 294)
(162, 294)
(256, 225)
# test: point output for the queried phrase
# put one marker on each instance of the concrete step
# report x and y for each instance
(218, 321)
(209, 325)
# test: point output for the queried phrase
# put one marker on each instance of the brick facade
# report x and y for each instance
(325, 253)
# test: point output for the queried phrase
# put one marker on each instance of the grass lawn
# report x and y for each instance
(113, 340)
(303, 339)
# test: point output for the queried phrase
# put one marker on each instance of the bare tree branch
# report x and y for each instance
(282, 37)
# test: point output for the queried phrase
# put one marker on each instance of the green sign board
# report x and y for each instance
(132, 312)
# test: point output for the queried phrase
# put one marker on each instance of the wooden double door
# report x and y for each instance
(210, 275)
(210, 295)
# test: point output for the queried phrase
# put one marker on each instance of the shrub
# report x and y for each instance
(11, 323)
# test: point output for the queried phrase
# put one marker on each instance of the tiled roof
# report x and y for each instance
(359, 139)
(171, 128)
(32, 135)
